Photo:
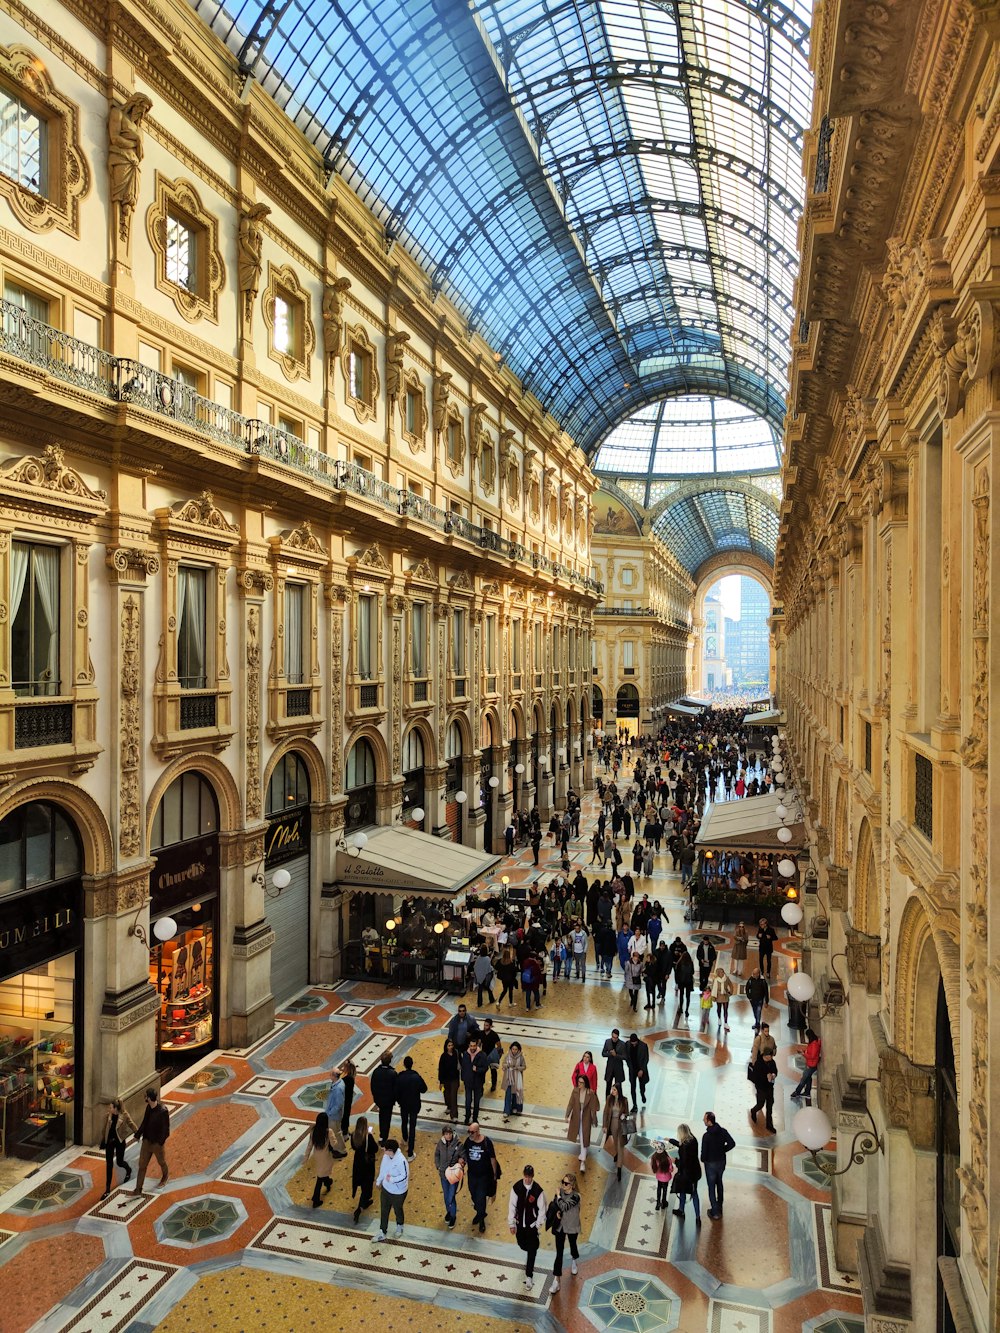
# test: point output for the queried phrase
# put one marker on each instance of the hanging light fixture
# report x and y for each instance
(784, 834)
(786, 867)
(811, 1126)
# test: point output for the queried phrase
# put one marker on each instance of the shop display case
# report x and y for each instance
(37, 1086)
(182, 971)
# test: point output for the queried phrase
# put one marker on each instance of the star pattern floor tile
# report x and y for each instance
(116, 1304)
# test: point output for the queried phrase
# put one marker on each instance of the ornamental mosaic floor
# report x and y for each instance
(232, 1243)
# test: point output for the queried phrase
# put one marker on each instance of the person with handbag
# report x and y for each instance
(451, 1172)
(564, 1211)
(688, 1172)
(722, 989)
(581, 1116)
(512, 1081)
(394, 1182)
(614, 1125)
(449, 1077)
(482, 975)
(320, 1152)
(365, 1147)
(525, 1216)
(117, 1127)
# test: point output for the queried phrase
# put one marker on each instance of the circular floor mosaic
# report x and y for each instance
(56, 1192)
(212, 1076)
(198, 1221)
(312, 1097)
(406, 1016)
(305, 1004)
(633, 1302)
(682, 1048)
(710, 939)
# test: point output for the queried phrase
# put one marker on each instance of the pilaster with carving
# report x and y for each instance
(255, 584)
(398, 609)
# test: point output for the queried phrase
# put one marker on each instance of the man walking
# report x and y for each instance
(637, 1059)
(394, 1181)
(474, 1067)
(579, 939)
(766, 938)
(715, 1143)
(525, 1215)
(758, 993)
(383, 1088)
(614, 1054)
(481, 1160)
(409, 1088)
(492, 1048)
(335, 1112)
(154, 1132)
(462, 1028)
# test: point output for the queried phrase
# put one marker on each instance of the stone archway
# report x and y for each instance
(866, 904)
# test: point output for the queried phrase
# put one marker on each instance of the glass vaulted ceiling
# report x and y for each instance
(607, 189)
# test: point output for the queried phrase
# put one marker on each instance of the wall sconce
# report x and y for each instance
(494, 783)
(461, 797)
(416, 814)
(390, 925)
(518, 769)
(163, 930)
(279, 880)
(812, 1128)
(353, 843)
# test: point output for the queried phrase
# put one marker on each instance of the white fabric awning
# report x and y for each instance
(398, 858)
(773, 717)
(685, 710)
(750, 825)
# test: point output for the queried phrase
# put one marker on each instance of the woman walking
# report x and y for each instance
(649, 980)
(450, 1167)
(581, 1116)
(482, 975)
(507, 972)
(348, 1074)
(633, 978)
(587, 1068)
(512, 1081)
(449, 1077)
(722, 989)
(615, 1137)
(365, 1147)
(117, 1127)
(812, 1053)
(688, 1172)
(566, 1226)
(739, 955)
(320, 1152)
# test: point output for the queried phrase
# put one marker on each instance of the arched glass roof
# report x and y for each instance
(717, 519)
(690, 435)
(608, 190)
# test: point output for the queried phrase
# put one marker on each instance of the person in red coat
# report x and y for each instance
(587, 1068)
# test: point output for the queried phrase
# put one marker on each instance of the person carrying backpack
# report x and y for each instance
(531, 980)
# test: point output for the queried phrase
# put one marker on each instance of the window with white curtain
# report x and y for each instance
(413, 751)
(366, 624)
(515, 645)
(628, 653)
(458, 642)
(192, 627)
(295, 626)
(23, 144)
(491, 645)
(34, 618)
(418, 640)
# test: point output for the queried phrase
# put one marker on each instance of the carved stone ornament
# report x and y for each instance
(477, 430)
(395, 345)
(249, 257)
(200, 296)
(333, 315)
(124, 156)
(303, 539)
(203, 513)
(69, 175)
(51, 473)
(491, 589)
(252, 713)
(294, 355)
(372, 558)
(130, 730)
(441, 400)
(422, 570)
(461, 582)
(956, 349)
(857, 417)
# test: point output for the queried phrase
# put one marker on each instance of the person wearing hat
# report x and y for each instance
(451, 1171)
(525, 1217)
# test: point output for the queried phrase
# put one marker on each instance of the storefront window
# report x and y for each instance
(183, 971)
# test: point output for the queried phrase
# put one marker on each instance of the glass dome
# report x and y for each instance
(689, 436)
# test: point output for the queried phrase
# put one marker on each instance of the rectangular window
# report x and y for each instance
(290, 426)
(186, 376)
(458, 642)
(491, 645)
(23, 144)
(295, 628)
(17, 323)
(628, 653)
(192, 628)
(418, 640)
(536, 645)
(454, 441)
(626, 578)
(515, 646)
(556, 646)
(412, 417)
(34, 618)
(366, 625)
(284, 325)
(359, 374)
(181, 254)
(868, 747)
(923, 795)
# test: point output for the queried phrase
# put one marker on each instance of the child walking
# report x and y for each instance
(662, 1166)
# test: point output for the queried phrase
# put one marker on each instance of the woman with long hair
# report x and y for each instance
(581, 1116)
(348, 1074)
(688, 1172)
(566, 1226)
(365, 1147)
(512, 1081)
(615, 1111)
(449, 1077)
(507, 972)
(320, 1152)
(451, 1171)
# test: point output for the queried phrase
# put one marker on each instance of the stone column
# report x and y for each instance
(246, 1003)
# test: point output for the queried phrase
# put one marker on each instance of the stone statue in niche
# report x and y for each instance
(124, 157)
(394, 347)
(333, 315)
(250, 251)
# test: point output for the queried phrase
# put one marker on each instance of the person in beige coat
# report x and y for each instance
(581, 1116)
(320, 1152)
(615, 1110)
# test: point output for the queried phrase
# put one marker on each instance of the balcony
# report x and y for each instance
(298, 702)
(624, 611)
(132, 384)
(198, 711)
(368, 696)
(42, 724)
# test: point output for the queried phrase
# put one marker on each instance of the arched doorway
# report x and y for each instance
(287, 844)
(453, 782)
(41, 984)
(597, 707)
(360, 777)
(627, 708)
(413, 776)
(949, 1156)
(184, 889)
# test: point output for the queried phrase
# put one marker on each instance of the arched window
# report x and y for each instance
(289, 786)
(188, 810)
(38, 845)
(453, 742)
(361, 771)
(413, 751)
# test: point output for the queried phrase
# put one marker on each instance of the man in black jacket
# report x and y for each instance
(154, 1132)
(715, 1143)
(409, 1088)
(474, 1066)
(383, 1087)
(614, 1054)
(766, 938)
(637, 1059)
(758, 993)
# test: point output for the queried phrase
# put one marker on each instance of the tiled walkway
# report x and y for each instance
(232, 1244)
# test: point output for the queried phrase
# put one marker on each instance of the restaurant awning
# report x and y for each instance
(406, 860)
(749, 825)
(695, 702)
(685, 710)
(773, 717)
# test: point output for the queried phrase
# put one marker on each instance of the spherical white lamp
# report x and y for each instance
(281, 879)
(780, 793)
(791, 914)
(801, 986)
(784, 834)
(812, 1128)
(494, 783)
(786, 867)
(461, 797)
(360, 841)
(165, 929)
(518, 768)
(417, 814)
(780, 810)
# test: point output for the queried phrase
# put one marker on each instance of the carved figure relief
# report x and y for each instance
(333, 316)
(252, 707)
(336, 694)
(202, 512)
(51, 473)
(441, 400)
(124, 158)
(250, 253)
(395, 346)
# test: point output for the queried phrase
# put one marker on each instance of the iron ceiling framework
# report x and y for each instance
(698, 527)
(608, 190)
